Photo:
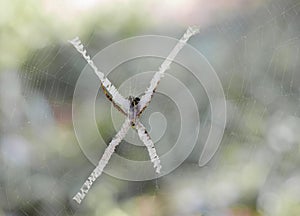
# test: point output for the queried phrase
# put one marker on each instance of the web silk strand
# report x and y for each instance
(103, 161)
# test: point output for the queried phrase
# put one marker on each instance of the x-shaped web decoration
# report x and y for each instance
(132, 108)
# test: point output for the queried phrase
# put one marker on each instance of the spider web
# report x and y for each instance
(260, 52)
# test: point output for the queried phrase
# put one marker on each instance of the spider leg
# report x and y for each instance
(145, 138)
(109, 89)
(110, 98)
(148, 94)
(103, 161)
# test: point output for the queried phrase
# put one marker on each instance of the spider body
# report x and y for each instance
(133, 110)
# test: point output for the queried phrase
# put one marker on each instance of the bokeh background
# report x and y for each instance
(253, 45)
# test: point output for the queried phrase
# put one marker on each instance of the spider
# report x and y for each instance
(133, 110)
(132, 107)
